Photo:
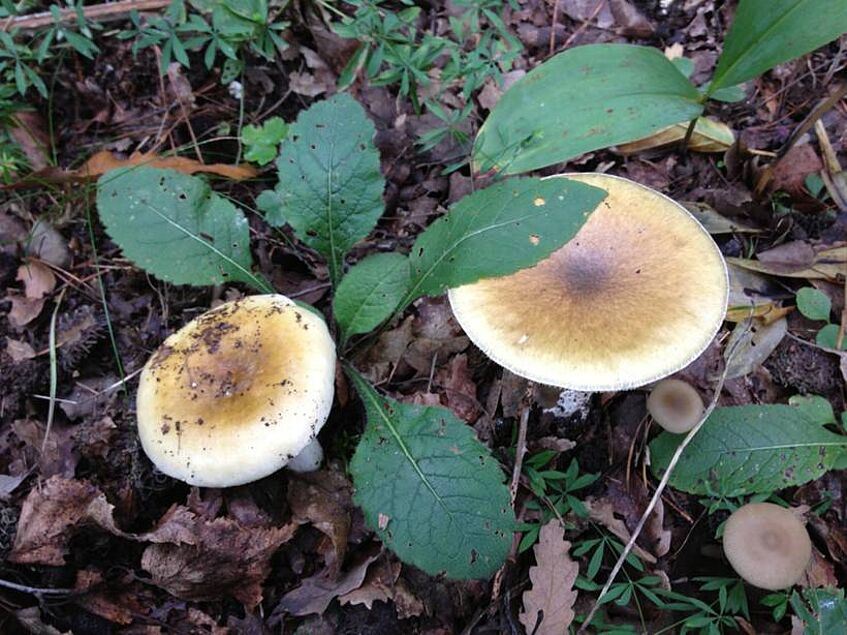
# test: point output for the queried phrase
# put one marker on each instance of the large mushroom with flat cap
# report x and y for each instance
(636, 295)
(238, 393)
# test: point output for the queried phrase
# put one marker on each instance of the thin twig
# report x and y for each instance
(109, 10)
(54, 373)
(661, 488)
(22, 588)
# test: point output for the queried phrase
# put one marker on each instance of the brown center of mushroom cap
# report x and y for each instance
(771, 539)
(676, 402)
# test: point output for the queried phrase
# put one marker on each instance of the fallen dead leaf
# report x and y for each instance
(460, 389)
(383, 584)
(602, 511)
(790, 173)
(315, 593)
(117, 601)
(19, 351)
(324, 499)
(24, 310)
(819, 573)
(548, 604)
(799, 259)
(752, 346)
(225, 558)
(38, 279)
(51, 515)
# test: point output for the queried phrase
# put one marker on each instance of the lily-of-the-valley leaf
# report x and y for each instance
(765, 33)
(173, 226)
(583, 99)
(330, 187)
(430, 490)
(492, 232)
(752, 449)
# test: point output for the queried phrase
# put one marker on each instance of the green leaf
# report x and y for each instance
(729, 94)
(816, 407)
(586, 98)
(751, 449)
(498, 231)
(330, 186)
(430, 490)
(828, 337)
(370, 292)
(173, 226)
(824, 611)
(765, 33)
(813, 304)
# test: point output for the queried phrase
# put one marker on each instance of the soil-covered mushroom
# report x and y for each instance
(767, 545)
(238, 392)
(636, 295)
(675, 405)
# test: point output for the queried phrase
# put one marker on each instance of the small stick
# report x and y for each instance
(109, 10)
(661, 488)
(22, 588)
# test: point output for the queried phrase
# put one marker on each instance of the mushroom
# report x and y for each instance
(675, 405)
(238, 392)
(636, 295)
(767, 545)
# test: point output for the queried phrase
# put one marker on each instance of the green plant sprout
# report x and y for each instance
(816, 305)
(262, 142)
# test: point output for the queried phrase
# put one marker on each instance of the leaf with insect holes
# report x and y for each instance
(765, 33)
(583, 99)
(370, 292)
(813, 304)
(498, 231)
(173, 226)
(751, 449)
(330, 187)
(430, 490)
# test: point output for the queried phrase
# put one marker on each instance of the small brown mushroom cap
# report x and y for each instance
(767, 545)
(675, 405)
(636, 295)
(237, 392)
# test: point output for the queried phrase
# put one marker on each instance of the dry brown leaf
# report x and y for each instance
(19, 351)
(324, 499)
(38, 279)
(799, 260)
(791, 171)
(315, 593)
(552, 594)
(117, 602)
(225, 558)
(460, 389)
(51, 515)
(24, 310)
(383, 584)
(603, 512)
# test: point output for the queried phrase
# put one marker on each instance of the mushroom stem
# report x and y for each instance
(309, 459)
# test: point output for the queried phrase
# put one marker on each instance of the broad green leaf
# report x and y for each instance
(586, 98)
(815, 406)
(173, 226)
(765, 33)
(499, 230)
(370, 292)
(812, 303)
(828, 337)
(430, 490)
(751, 449)
(330, 187)
(824, 611)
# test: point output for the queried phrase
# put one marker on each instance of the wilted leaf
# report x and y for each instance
(24, 310)
(51, 515)
(324, 499)
(715, 223)
(602, 511)
(751, 449)
(799, 260)
(225, 558)
(710, 135)
(431, 491)
(552, 595)
(614, 93)
(38, 279)
(315, 593)
(754, 345)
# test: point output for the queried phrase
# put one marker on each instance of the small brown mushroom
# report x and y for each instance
(238, 392)
(635, 296)
(767, 545)
(675, 405)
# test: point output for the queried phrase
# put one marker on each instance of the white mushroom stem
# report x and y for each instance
(309, 459)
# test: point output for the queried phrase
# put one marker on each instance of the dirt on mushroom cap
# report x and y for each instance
(237, 392)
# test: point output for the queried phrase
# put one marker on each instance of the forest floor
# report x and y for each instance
(331, 575)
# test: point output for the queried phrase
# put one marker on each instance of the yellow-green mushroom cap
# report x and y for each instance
(237, 392)
(636, 295)
(767, 545)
